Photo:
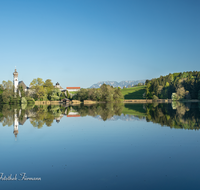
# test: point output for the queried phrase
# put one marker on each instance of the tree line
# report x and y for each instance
(38, 91)
(177, 86)
(105, 93)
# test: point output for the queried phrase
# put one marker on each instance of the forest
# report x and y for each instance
(176, 86)
(105, 93)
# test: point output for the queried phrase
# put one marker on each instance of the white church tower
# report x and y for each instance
(15, 80)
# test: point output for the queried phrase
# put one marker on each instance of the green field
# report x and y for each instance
(134, 92)
(73, 92)
(134, 109)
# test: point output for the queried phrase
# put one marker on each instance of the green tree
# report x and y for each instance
(48, 85)
(23, 101)
(40, 92)
(174, 96)
(167, 84)
(55, 94)
(180, 93)
(21, 91)
(8, 93)
(37, 86)
(155, 97)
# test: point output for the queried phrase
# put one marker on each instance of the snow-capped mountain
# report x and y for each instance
(120, 84)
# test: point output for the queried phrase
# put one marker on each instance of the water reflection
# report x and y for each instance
(105, 111)
(175, 115)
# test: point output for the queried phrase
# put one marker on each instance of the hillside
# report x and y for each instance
(118, 84)
(134, 92)
(184, 85)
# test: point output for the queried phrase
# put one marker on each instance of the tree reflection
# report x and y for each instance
(106, 111)
(176, 115)
(45, 115)
(6, 115)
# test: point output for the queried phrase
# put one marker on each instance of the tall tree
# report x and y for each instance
(48, 85)
(37, 86)
(8, 91)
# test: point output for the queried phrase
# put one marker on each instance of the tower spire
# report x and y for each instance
(15, 80)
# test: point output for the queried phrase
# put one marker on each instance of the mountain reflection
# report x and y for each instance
(175, 115)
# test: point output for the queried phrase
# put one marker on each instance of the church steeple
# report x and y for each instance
(15, 80)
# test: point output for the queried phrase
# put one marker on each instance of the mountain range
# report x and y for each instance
(118, 84)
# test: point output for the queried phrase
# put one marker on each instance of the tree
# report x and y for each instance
(8, 91)
(167, 84)
(40, 92)
(180, 93)
(37, 86)
(55, 94)
(68, 95)
(48, 85)
(117, 94)
(36, 82)
(155, 97)
(23, 101)
(21, 91)
(174, 96)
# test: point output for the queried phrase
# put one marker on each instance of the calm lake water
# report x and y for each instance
(108, 146)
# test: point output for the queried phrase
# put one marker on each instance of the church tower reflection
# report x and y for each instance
(15, 124)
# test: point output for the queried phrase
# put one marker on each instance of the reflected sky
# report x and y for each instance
(90, 153)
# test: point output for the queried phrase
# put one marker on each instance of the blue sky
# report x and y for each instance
(79, 43)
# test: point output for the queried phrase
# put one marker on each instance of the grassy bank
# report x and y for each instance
(134, 92)
(134, 109)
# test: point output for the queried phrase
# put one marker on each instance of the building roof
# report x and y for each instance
(21, 83)
(58, 86)
(73, 115)
(22, 121)
(73, 87)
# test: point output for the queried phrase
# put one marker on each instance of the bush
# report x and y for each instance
(23, 100)
(155, 97)
(174, 96)
(30, 100)
(55, 98)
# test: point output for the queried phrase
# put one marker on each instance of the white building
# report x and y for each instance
(72, 89)
(58, 86)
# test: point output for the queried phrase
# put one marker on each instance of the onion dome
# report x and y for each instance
(16, 133)
(15, 73)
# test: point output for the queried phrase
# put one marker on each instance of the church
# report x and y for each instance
(17, 84)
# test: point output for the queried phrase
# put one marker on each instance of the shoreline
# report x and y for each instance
(131, 101)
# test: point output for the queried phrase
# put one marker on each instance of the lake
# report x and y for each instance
(106, 146)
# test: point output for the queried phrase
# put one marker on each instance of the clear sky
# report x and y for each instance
(79, 43)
